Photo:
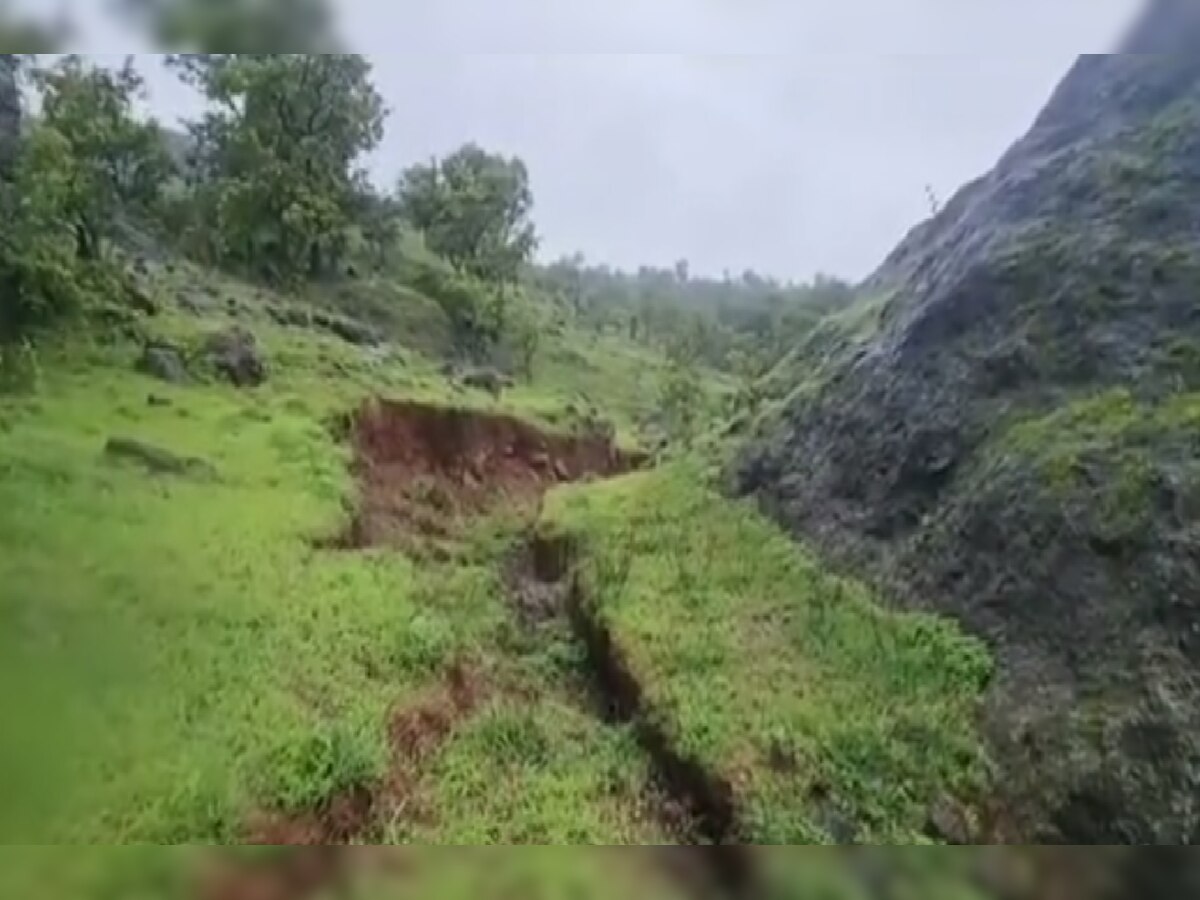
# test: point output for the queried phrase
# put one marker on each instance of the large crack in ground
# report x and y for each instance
(695, 805)
(426, 472)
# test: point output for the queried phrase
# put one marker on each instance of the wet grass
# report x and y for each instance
(181, 652)
(199, 655)
(832, 719)
(182, 655)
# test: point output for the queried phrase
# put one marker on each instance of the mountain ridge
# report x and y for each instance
(1013, 445)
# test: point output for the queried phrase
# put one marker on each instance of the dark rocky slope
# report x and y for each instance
(1015, 442)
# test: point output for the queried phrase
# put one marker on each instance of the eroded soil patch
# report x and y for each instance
(426, 471)
(320, 839)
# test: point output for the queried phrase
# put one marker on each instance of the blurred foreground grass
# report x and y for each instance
(603, 873)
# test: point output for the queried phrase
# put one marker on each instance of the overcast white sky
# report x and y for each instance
(790, 136)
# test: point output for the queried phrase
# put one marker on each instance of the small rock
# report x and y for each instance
(157, 460)
(164, 362)
(234, 353)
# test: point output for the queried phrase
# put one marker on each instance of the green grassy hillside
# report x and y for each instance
(192, 662)
(831, 718)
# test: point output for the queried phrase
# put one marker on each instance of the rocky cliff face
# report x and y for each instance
(1015, 442)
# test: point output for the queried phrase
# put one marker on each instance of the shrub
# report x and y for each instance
(474, 310)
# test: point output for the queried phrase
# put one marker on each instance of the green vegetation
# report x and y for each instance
(1110, 450)
(83, 162)
(194, 619)
(474, 209)
(788, 681)
(209, 659)
(213, 663)
(273, 161)
(537, 773)
(200, 641)
(116, 165)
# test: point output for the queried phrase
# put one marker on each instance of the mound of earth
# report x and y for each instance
(1013, 439)
(426, 470)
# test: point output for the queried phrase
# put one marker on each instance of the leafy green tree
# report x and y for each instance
(379, 223)
(472, 307)
(474, 209)
(276, 159)
(118, 164)
(39, 275)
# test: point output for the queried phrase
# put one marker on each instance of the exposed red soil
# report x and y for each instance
(418, 731)
(426, 470)
(322, 858)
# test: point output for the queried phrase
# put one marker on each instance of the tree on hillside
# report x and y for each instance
(117, 163)
(42, 279)
(474, 209)
(378, 218)
(474, 309)
(242, 26)
(276, 158)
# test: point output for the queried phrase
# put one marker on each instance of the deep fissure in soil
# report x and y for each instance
(696, 804)
(425, 472)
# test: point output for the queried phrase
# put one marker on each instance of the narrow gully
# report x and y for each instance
(711, 832)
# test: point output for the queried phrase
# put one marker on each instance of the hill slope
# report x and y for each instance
(289, 591)
(1016, 444)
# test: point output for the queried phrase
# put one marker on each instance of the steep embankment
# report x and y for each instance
(1013, 442)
